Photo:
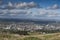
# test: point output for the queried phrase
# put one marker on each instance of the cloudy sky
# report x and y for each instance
(30, 9)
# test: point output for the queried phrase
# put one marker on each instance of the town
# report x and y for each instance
(31, 27)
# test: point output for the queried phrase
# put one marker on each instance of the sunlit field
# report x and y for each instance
(52, 36)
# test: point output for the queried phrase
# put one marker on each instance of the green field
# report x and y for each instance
(52, 36)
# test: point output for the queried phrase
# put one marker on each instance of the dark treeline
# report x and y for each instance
(24, 32)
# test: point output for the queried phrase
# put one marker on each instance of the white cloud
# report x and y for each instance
(13, 12)
(31, 13)
(21, 5)
(50, 13)
(26, 5)
(10, 4)
(55, 6)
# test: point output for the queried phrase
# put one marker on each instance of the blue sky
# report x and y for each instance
(30, 9)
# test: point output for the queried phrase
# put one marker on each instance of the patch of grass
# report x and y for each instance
(9, 37)
(53, 36)
(31, 38)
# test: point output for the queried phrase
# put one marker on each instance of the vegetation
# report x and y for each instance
(7, 36)
(31, 38)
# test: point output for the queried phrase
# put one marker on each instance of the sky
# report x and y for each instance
(30, 9)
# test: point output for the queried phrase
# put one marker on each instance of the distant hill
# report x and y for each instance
(27, 20)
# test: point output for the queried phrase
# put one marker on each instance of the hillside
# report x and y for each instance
(53, 36)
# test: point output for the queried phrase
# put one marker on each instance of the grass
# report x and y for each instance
(31, 38)
(53, 36)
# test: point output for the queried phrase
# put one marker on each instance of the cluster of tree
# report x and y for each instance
(14, 31)
(24, 32)
(48, 31)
